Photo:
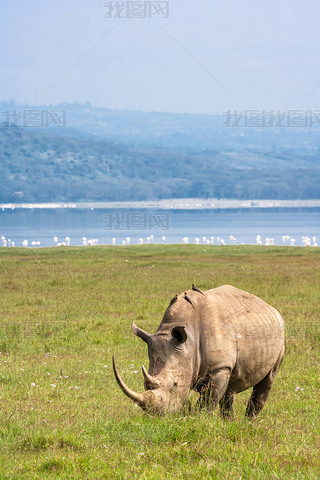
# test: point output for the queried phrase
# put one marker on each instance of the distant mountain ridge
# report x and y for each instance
(107, 155)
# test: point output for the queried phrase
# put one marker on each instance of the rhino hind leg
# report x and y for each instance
(259, 396)
(212, 393)
(261, 391)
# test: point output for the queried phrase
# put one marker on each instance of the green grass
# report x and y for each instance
(64, 312)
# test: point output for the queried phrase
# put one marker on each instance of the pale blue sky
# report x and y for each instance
(208, 57)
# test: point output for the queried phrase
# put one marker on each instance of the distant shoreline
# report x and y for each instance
(169, 204)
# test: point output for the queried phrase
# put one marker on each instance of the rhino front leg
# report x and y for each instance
(226, 404)
(214, 390)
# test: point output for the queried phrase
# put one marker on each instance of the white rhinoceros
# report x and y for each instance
(218, 342)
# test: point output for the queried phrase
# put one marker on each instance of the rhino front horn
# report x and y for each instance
(137, 397)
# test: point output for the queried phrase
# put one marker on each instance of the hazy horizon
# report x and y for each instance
(196, 58)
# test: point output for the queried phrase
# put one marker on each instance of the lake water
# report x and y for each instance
(42, 225)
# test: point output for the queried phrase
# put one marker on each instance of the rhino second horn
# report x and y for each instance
(153, 382)
(146, 337)
(137, 397)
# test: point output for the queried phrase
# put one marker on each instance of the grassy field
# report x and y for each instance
(65, 311)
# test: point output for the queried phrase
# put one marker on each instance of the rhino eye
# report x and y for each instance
(175, 383)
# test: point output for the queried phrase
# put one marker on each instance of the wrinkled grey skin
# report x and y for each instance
(219, 343)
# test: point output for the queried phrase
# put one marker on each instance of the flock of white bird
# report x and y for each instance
(286, 240)
(84, 240)
(7, 242)
(127, 240)
(211, 240)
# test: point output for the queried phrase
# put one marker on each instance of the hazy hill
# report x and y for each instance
(111, 155)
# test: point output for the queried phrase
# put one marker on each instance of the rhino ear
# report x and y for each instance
(179, 334)
(146, 337)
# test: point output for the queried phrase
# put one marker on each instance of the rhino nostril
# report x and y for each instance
(175, 383)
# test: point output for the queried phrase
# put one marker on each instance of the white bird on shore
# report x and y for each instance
(269, 241)
(113, 240)
(84, 241)
(204, 239)
(67, 240)
(140, 241)
(25, 243)
(197, 240)
(306, 241)
(92, 241)
(55, 239)
(163, 238)
(185, 240)
(13, 244)
(292, 242)
(123, 242)
(212, 240)
(128, 240)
